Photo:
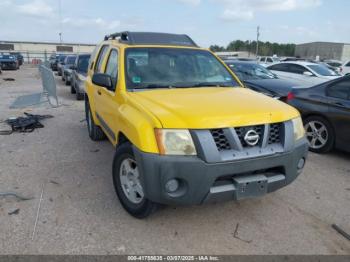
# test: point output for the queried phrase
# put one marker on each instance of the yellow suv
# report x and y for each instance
(186, 131)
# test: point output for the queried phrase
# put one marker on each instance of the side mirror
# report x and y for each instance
(103, 80)
(307, 73)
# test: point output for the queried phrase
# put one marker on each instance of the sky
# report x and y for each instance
(206, 21)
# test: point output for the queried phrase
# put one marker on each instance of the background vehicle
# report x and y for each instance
(79, 73)
(185, 129)
(334, 65)
(8, 61)
(303, 73)
(345, 69)
(67, 68)
(19, 57)
(268, 60)
(325, 109)
(260, 79)
(60, 64)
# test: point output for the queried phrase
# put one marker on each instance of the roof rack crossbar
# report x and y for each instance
(151, 38)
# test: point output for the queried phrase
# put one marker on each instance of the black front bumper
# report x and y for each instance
(201, 182)
(8, 65)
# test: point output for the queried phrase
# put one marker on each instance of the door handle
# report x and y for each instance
(99, 92)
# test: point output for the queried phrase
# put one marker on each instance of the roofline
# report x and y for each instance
(46, 43)
(323, 42)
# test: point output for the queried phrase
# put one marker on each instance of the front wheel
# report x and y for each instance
(127, 183)
(319, 133)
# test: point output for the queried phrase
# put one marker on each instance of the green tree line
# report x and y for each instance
(265, 48)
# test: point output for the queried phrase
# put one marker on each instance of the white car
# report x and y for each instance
(303, 73)
(345, 69)
(268, 60)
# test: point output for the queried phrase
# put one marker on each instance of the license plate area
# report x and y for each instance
(250, 186)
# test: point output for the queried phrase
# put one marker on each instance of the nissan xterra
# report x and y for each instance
(186, 131)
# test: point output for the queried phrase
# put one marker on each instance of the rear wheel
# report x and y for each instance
(319, 133)
(127, 183)
(72, 90)
(95, 132)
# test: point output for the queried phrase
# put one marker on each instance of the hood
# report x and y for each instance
(205, 108)
(276, 86)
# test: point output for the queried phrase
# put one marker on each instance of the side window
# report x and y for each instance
(262, 59)
(340, 90)
(101, 55)
(279, 67)
(112, 66)
(348, 64)
(269, 60)
(297, 69)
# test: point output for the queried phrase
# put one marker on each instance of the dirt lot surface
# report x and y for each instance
(80, 213)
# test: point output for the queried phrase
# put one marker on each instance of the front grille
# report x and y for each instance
(241, 131)
(222, 142)
(220, 139)
(275, 133)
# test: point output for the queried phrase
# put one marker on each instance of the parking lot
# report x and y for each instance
(80, 213)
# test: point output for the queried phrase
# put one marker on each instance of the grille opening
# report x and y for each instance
(275, 133)
(220, 139)
(241, 131)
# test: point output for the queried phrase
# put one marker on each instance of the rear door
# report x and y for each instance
(338, 95)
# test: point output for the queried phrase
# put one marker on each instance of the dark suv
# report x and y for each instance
(60, 63)
(78, 77)
(67, 68)
(8, 61)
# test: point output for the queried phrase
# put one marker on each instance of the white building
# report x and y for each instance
(33, 51)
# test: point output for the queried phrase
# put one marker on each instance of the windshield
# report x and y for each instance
(61, 58)
(174, 68)
(247, 71)
(83, 63)
(70, 60)
(322, 70)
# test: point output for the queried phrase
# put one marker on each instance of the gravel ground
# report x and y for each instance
(80, 213)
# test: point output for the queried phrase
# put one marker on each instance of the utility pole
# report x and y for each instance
(60, 22)
(257, 40)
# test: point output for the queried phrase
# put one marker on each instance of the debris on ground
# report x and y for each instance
(54, 182)
(25, 124)
(19, 197)
(14, 212)
(8, 79)
(235, 235)
(341, 231)
(95, 150)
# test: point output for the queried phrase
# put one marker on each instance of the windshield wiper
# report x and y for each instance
(153, 86)
(202, 84)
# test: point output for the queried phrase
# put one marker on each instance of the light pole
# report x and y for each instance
(257, 41)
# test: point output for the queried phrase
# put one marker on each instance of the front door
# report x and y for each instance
(338, 95)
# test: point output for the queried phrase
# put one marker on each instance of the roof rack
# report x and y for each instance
(149, 38)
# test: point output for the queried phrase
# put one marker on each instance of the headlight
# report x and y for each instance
(175, 142)
(298, 126)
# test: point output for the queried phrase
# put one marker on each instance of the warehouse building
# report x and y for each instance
(41, 51)
(323, 50)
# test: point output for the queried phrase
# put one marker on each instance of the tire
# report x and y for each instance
(72, 90)
(139, 207)
(319, 133)
(95, 132)
(79, 96)
(67, 82)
